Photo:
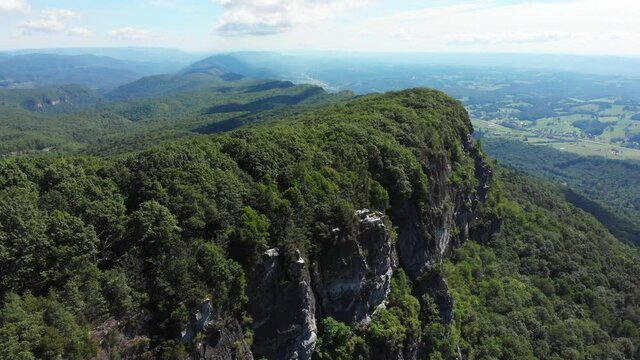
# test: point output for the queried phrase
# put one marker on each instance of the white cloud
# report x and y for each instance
(508, 38)
(79, 31)
(41, 25)
(622, 35)
(130, 34)
(13, 5)
(576, 26)
(401, 34)
(265, 17)
(48, 21)
(60, 14)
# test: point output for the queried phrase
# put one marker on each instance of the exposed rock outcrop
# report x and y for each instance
(223, 341)
(429, 232)
(226, 343)
(351, 269)
(202, 321)
(283, 309)
(122, 338)
(41, 104)
(353, 272)
(435, 285)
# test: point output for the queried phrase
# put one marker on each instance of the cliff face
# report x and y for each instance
(428, 234)
(221, 340)
(351, 273)
(283, 309)
(351, 278)
(435, 177)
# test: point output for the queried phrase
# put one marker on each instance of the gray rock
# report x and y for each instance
(353, 272)
(202, 317)
(283, 308)
(223, 341)
(226, 343)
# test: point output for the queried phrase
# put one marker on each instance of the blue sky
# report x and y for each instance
(608, 27)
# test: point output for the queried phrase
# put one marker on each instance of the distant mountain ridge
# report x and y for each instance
(137, 54)
(158, 85)
(97, 72)
(51, 99)
(76, 119)
(218, 65)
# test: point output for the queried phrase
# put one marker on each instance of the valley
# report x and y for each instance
(602, 127)
(589, 113)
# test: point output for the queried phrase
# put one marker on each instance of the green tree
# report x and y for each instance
(251, 236)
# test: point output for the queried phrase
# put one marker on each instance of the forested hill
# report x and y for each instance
(608, 189)
(76, 120)
(374, 229)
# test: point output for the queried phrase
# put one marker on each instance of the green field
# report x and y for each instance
(580, 146)
(607, 127)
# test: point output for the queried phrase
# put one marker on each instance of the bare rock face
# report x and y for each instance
(436, 286)
(428, 233)
(202, 319)
(223, 341)
(353, 273)
(351, 279)
(226, 343)
(414, 249)
(283, 309)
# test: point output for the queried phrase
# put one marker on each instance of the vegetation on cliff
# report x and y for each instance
(552, 284)
(145, 238)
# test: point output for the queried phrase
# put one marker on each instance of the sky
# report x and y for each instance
(602, 27)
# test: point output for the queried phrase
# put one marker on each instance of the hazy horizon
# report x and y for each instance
(174, 58)
(285, 51)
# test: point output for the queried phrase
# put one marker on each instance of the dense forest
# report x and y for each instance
(552, 284)
(263, 230)
(78, 120)
(608, 189)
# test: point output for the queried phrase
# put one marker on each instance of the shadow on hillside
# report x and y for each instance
(247, 119)
(267, 103)
(620, 228)
(231, 77)
(270, 86)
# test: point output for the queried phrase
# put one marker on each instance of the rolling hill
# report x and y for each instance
(156, 108)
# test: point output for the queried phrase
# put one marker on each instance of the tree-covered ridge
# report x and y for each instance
(552, 284)
(143, 239)
(155, 233)
(76, 120)
(51, 99)
(608, 189)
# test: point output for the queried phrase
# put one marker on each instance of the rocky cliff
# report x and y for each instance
(353, 272)
(349, 277)
(283, 309)
(338, 206)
